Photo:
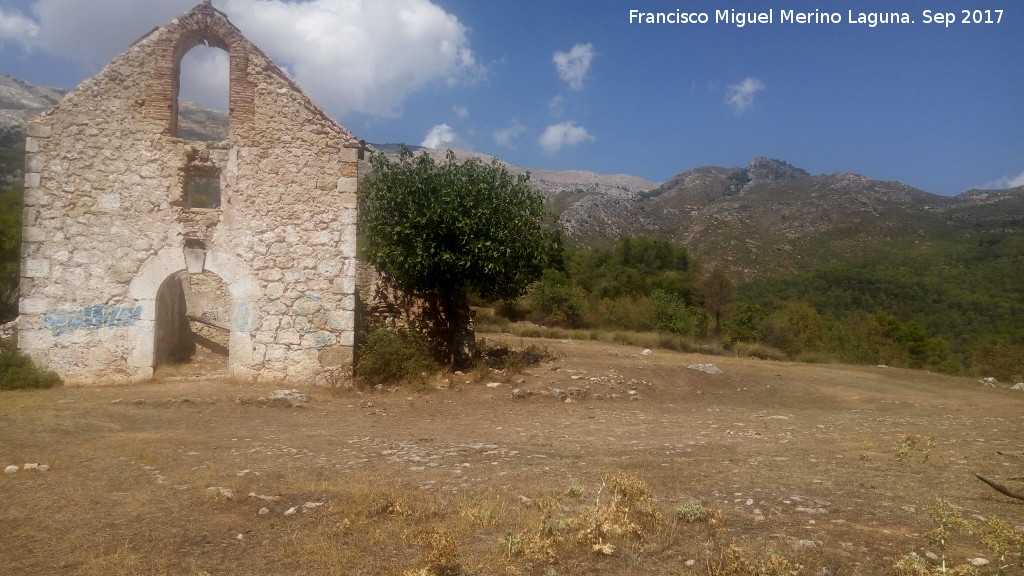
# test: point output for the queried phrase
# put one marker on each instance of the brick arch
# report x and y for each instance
(204, 24)
(244, 292)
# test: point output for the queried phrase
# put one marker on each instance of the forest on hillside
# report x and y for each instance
(958, 308)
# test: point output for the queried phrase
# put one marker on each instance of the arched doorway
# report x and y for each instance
(168, 263)
(192, 325)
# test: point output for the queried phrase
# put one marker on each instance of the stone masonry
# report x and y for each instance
(120, 212)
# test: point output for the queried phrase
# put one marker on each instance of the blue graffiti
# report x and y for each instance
(62, 322)
(244, 319)
(311, 306)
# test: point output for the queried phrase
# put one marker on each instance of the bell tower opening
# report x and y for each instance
(202, 97)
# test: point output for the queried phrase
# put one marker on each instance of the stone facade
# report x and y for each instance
(121, 216)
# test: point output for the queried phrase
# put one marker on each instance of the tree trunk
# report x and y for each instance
(461, 336)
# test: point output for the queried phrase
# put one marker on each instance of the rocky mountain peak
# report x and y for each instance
(763, 169)
(20, 100)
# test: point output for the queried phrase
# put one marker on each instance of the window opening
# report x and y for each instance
(203, 192)
(203, 86)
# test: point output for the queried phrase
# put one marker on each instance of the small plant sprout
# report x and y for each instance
(692, 512)
(865, 451)
(513, 542)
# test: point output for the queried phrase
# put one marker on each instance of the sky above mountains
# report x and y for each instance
(583, 85)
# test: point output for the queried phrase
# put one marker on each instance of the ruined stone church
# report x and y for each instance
(140, 246)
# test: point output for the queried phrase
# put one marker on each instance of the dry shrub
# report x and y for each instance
(764, 562)
(758, 350)
(441, 552)
(629, 511)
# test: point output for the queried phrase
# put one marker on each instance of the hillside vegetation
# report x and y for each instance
(957, 308)
(11, 160)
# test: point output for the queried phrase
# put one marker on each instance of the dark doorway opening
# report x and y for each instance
(193, 325)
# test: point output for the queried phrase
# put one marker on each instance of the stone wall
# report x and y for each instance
(108, 218)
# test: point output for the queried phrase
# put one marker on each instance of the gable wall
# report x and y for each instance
(106, 217)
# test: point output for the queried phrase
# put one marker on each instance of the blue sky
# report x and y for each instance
(575, 85)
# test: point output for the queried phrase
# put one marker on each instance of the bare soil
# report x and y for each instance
(833, 466)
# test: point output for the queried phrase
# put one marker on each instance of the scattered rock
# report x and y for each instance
(44, 467)
(1017, 386)
(559, 393)
(11, 469)
(493, 384)
(707, 368)
(978, 562)
(219, 491)
(312, 505)
(9, 330)
(518, 394)
(289, 395)
(263, 497)
(812, 511)
(647, 352)
(990, 381)
(290, 511)
(634, 395)
(264, 511)
(30, 466)
(578, 393)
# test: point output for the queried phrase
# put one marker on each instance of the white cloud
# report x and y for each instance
(556, 106)
(204, 73)
(558, 136)
(741, 96)
(363, 56)
(440, 136)
(461, 112)
(1005, 182)
(91, 32)
(14, 26)
(506, 137)
(573, 65)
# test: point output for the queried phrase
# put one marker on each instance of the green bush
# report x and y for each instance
(631, 312)
(671, 314)
(999, 358)
(390, 355)
(18, 372)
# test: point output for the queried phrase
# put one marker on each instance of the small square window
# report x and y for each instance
(203, 192)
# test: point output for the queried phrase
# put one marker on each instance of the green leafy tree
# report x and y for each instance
(716, 293)
(794, 328)
(745, 323)
(557, 300)
(444, 230)
(12, 158)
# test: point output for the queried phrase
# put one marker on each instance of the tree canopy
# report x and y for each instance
(447, 229)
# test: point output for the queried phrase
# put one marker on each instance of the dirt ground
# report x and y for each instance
(834, 466)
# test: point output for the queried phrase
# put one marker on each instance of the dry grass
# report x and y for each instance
(768, 469)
